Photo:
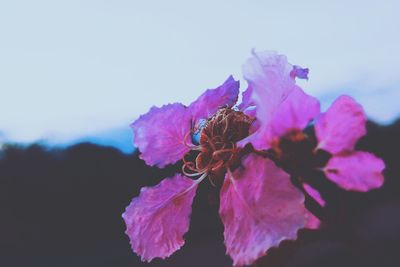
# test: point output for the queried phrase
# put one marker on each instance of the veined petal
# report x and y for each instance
(259, 208)
(211, 100)
(295, 113)
(358, 171)
(159, 217)
(269, 76)
(160, 134)
(339, 128)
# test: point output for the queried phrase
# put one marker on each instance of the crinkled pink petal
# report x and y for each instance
(295, 113)
(159, 217)
(160, 134)
(357, 171)
(268, 74)
(314, 194)
(339, 128)
(211, 100)
(259, 208)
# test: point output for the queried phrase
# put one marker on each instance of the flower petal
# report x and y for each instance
(313, 222)
(160, 134)
(299, 72)
(339, 128)
(295, 113)
(211, 100)
(358, 171)
(246, 99)
(157, 220)
(259, 208)
(314, 194)
(269, 76)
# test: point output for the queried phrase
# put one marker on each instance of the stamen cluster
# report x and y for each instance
(217, 150)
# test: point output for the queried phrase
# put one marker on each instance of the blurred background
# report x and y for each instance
(74, 75)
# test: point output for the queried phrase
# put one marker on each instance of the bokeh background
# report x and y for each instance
(74, 75)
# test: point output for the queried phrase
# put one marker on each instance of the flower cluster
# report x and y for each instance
(258, 154)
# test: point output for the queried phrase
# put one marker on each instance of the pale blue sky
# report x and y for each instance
(70, 69)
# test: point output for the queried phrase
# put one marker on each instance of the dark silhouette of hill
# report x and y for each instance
(62, 207)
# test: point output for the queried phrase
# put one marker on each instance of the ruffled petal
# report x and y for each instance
(211, 100)
(160, 134)
(269, 76)
(295, 113)
(339, 128)
(159, 217)
(259, 208)
(357, 171)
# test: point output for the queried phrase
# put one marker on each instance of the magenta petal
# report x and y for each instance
(269, 76)
(295, 113)
(299, 72)
(159, 217)
(314, 194)
(313, 222)
(339, 128)
(211, 100)
(160, 134)
(259, 208)
(358, 171)
(246, 99)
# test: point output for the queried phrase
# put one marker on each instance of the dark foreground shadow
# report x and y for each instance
(63, 208)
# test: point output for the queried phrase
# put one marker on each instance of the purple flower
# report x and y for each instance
(253, 151)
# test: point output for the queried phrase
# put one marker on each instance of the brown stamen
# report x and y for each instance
(217, 148)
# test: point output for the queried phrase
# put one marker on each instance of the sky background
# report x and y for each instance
(84, 70)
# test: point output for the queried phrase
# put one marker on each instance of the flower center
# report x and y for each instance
(217, 148)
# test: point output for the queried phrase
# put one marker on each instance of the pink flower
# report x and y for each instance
(281, 126)
(256, 152)
(338, 130)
